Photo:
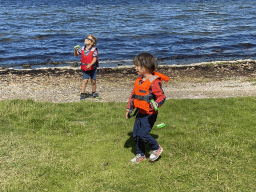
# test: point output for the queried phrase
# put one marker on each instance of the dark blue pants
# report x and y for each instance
(142, 126)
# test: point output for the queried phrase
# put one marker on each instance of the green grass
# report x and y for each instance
(209, 145)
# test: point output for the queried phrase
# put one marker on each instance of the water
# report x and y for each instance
(176, 32)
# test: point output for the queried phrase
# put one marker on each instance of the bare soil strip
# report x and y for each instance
(208, 80)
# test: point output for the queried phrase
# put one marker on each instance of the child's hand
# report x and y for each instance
(152, 106)
(76, 53)
(88, 66)
(76, 47)
(127, 115)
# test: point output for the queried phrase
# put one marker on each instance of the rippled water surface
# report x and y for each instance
(176, 32)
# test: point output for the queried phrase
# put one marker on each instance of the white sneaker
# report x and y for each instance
(138, 158)
(155, 154)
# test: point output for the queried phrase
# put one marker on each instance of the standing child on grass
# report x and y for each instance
(147, 86)
(89, 64)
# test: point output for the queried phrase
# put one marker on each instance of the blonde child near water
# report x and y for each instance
(89, 64)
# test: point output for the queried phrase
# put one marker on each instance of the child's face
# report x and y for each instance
(88, 41)
(140, 70)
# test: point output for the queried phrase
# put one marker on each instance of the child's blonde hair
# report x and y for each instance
(146, 60)
(94, 39)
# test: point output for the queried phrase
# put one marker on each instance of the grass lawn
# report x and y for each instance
(209, 145)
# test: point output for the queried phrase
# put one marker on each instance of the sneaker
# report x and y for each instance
(84, 96)
(95, 95)
(155, 154)
(138, 158)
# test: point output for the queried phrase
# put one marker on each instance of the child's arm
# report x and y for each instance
(157, 91)
(92, 63)
(130, 106)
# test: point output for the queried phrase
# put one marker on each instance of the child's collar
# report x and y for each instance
(143, 77)
(89, 47)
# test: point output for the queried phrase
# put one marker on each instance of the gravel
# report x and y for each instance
(115, 85)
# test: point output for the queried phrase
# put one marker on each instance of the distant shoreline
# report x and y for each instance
(26, 66)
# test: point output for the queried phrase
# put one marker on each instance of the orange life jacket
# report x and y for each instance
(141, 95)
(85, 60)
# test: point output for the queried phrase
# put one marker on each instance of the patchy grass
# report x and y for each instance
(209, 145)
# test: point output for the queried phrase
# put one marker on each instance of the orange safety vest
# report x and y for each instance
(141, 95)
(85, 60)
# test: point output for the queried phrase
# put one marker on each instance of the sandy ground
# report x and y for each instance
(116, 85)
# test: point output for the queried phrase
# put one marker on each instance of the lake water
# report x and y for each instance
(176, 32)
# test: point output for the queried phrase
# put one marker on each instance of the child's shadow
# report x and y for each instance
(130, 143)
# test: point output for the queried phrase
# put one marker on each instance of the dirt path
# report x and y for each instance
(193, 82)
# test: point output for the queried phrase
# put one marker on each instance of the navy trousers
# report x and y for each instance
(142, 126)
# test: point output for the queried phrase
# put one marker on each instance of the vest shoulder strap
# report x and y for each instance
(162, 76)
(152, 79)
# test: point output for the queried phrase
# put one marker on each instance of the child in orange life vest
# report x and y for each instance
(89, 64)
(147, 86)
